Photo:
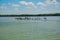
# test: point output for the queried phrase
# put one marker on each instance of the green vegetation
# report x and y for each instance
(56, 14)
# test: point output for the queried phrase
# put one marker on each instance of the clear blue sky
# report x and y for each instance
(29, 6)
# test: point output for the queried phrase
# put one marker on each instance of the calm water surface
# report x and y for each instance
(11, 29)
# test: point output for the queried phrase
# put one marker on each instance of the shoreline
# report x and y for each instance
(29, 15)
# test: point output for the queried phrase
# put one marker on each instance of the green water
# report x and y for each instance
(28, 30)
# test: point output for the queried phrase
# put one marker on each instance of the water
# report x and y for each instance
(11, 29)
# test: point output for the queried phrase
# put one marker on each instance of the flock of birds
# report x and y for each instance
(28, 18)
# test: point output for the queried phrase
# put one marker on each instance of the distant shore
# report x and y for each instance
(29, 15)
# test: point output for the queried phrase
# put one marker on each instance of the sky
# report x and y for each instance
(29, 6)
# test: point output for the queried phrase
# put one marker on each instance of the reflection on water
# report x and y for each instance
(11, 29)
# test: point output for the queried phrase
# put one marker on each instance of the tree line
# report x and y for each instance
(56, 14)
